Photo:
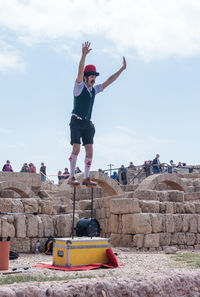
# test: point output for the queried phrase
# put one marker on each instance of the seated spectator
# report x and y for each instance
(7, 167)
(43, 172)
(32, 168)
(25, 168)
(179, 164)
(115, 176)
(65, 174)
(59, 176)
(78, 170)
(156, 164)
(122, 174)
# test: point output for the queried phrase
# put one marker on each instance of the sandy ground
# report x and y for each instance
(135, 264)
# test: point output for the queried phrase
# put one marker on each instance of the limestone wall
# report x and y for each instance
(163, 219)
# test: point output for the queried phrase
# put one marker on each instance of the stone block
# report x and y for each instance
(20, 246)
(136, 223)
(64, 224)
(138, 240)
(169, 207)
(5, 205)
(146, 194)
(197, 207)
(107, 212)
(48, 225)
(125, 240)
(176, 196)
(168, 222)
(178, 239)
(20, 226)
(17, 205)
(178, 223)
(190, 239)
(124, 206)
(46, 206)
(151, 240)
(180, 207)
(165, 239)
(193, 223)
(189, 207)
(163, 196)
(7, 226)
(7, 194)
(115, 239)
(84, 204)
(198, 238)
(156, 222)
(32, 226)
(98, 213)
(114, 223)
(186, 222)
(30, 205)
(150, 206)
(103, 213)
(40, 227)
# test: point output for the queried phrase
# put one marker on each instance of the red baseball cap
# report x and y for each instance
(90, 70)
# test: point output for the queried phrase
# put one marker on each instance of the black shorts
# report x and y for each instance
(81, 129)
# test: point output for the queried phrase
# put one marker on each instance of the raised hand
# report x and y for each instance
(86, 48)
(124, 63)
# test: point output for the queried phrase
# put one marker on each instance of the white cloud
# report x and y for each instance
(152, 28)
(10, 59)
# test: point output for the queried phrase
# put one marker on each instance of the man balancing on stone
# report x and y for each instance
(81, 126)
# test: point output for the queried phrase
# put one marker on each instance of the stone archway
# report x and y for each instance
(108, 184)
(21, 189)
(171, 180)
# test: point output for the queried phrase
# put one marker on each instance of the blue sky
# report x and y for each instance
(152, 108)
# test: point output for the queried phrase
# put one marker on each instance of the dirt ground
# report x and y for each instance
(134, 264)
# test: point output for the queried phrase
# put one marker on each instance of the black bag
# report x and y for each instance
(88, 227)
(13, 256)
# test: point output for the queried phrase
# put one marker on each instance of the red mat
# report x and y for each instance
(113, 263)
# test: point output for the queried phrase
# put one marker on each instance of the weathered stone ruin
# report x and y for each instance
(163, 210)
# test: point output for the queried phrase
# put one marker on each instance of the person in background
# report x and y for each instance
(122, 174)
(115, 176)
(131, 166)
(59, 176)
(32, 168)
(147, 168)
(78, 170)
(25, 168)
(156, 164)
(43, 172)
(65, 174)
(7, 167)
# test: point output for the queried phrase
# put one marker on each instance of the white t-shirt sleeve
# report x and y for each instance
(98, 88)
(78, 87)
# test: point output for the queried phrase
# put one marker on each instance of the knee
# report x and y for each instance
(76, 149)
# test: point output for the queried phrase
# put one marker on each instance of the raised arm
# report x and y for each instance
(85, 50)
(113, 77)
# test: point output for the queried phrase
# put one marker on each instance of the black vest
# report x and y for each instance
(83, 104)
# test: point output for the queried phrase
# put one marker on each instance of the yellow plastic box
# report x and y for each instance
(80, 251)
